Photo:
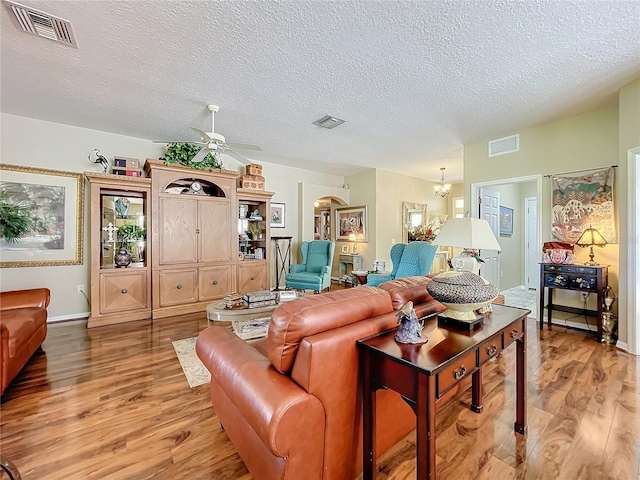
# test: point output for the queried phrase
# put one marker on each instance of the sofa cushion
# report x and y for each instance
(292, 321)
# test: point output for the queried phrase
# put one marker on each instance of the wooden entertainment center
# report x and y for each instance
(190, 255)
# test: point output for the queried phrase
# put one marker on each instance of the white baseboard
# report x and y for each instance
(64, 318)
(622, 346)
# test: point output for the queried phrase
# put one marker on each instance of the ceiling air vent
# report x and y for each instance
(42, 24)
(504, 145)
(328, 122)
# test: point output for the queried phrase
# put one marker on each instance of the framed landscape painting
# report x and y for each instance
(54, 204)
(352, 220)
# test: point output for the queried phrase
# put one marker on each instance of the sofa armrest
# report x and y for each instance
(280, 412)
(32, 298)
(297, 268)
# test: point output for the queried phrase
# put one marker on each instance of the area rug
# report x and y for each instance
(195, 371)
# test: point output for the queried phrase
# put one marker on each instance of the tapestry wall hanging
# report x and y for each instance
(581, 200)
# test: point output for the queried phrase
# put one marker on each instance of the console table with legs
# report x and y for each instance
(580, 278)
(282, 258)
(423, 374)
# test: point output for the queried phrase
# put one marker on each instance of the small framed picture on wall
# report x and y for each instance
(345, 248)
(277, 215)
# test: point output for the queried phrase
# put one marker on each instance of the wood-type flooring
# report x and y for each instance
(113, 403)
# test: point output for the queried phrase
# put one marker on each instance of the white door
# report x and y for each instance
(531, 247)
(490, 211)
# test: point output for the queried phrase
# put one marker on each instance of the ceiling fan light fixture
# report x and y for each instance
(329, 121)
(442, 190)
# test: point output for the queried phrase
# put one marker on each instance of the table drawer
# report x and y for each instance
(556, 280)
(491, 348)
(581, 282)
(512, 334)
(456, 372)
(571, 269)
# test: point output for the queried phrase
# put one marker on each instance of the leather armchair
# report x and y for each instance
(291, 404)
(412, 259)
(23, 328)
(314, 273)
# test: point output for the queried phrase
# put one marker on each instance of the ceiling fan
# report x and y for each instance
(215, 143)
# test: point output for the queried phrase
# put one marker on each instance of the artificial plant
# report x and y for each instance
(182, 153)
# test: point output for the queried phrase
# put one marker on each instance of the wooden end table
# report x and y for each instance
(422, 374)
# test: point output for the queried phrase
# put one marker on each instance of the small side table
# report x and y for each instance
(362, 279)
(345, 260)
(581, 278)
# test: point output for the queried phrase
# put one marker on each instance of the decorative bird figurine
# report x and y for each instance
(478, 259)
(99, 159)
(410, 330)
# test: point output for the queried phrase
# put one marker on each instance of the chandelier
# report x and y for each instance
(442, 190)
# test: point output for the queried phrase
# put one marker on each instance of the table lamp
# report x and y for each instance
(471, 234)
(354, 239)
(589, 238)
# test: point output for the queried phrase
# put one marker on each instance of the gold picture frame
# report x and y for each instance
(56, 201)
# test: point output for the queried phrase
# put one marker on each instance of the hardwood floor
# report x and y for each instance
(113, 403)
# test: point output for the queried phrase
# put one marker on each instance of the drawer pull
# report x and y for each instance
(515, 334)
(215, 282)
(179, 287)
(491, 351)
(253, 278)
(197, 230)
(124, 290)
(458, 374)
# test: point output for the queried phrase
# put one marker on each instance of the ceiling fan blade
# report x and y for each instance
(204, 137)
(241, 158)
(200, 155)
(246, 146)
(180, 141)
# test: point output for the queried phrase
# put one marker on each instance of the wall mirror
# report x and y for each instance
(413, 215)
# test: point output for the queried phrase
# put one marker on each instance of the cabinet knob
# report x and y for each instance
(197, 230)
(179, 287)
(491, 351)
(515, 334)
(253, 278)
(124, 290)
(215, 282)
(457, 374)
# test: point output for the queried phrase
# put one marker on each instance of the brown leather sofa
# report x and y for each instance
(291, 403)
(23, 328)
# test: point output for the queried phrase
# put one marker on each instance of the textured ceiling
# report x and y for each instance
(413, 80)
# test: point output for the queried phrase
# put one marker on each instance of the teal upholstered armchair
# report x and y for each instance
(409, 260)
(314, 273)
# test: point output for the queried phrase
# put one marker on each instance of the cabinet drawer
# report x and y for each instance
(252, 276)
(491, 348)
(215, 282)
(178, 286)
(513, 333)
(124, 291)
(454, 373)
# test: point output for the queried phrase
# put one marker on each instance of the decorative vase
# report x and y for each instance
(122, 258)
(121, 206)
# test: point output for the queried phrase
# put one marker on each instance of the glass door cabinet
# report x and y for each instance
(120, 269)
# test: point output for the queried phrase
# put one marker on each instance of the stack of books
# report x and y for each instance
(263, 298)
(127, 166)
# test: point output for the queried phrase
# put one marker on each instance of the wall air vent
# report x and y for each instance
(42, 24)
(504, 145)
(328, 122)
